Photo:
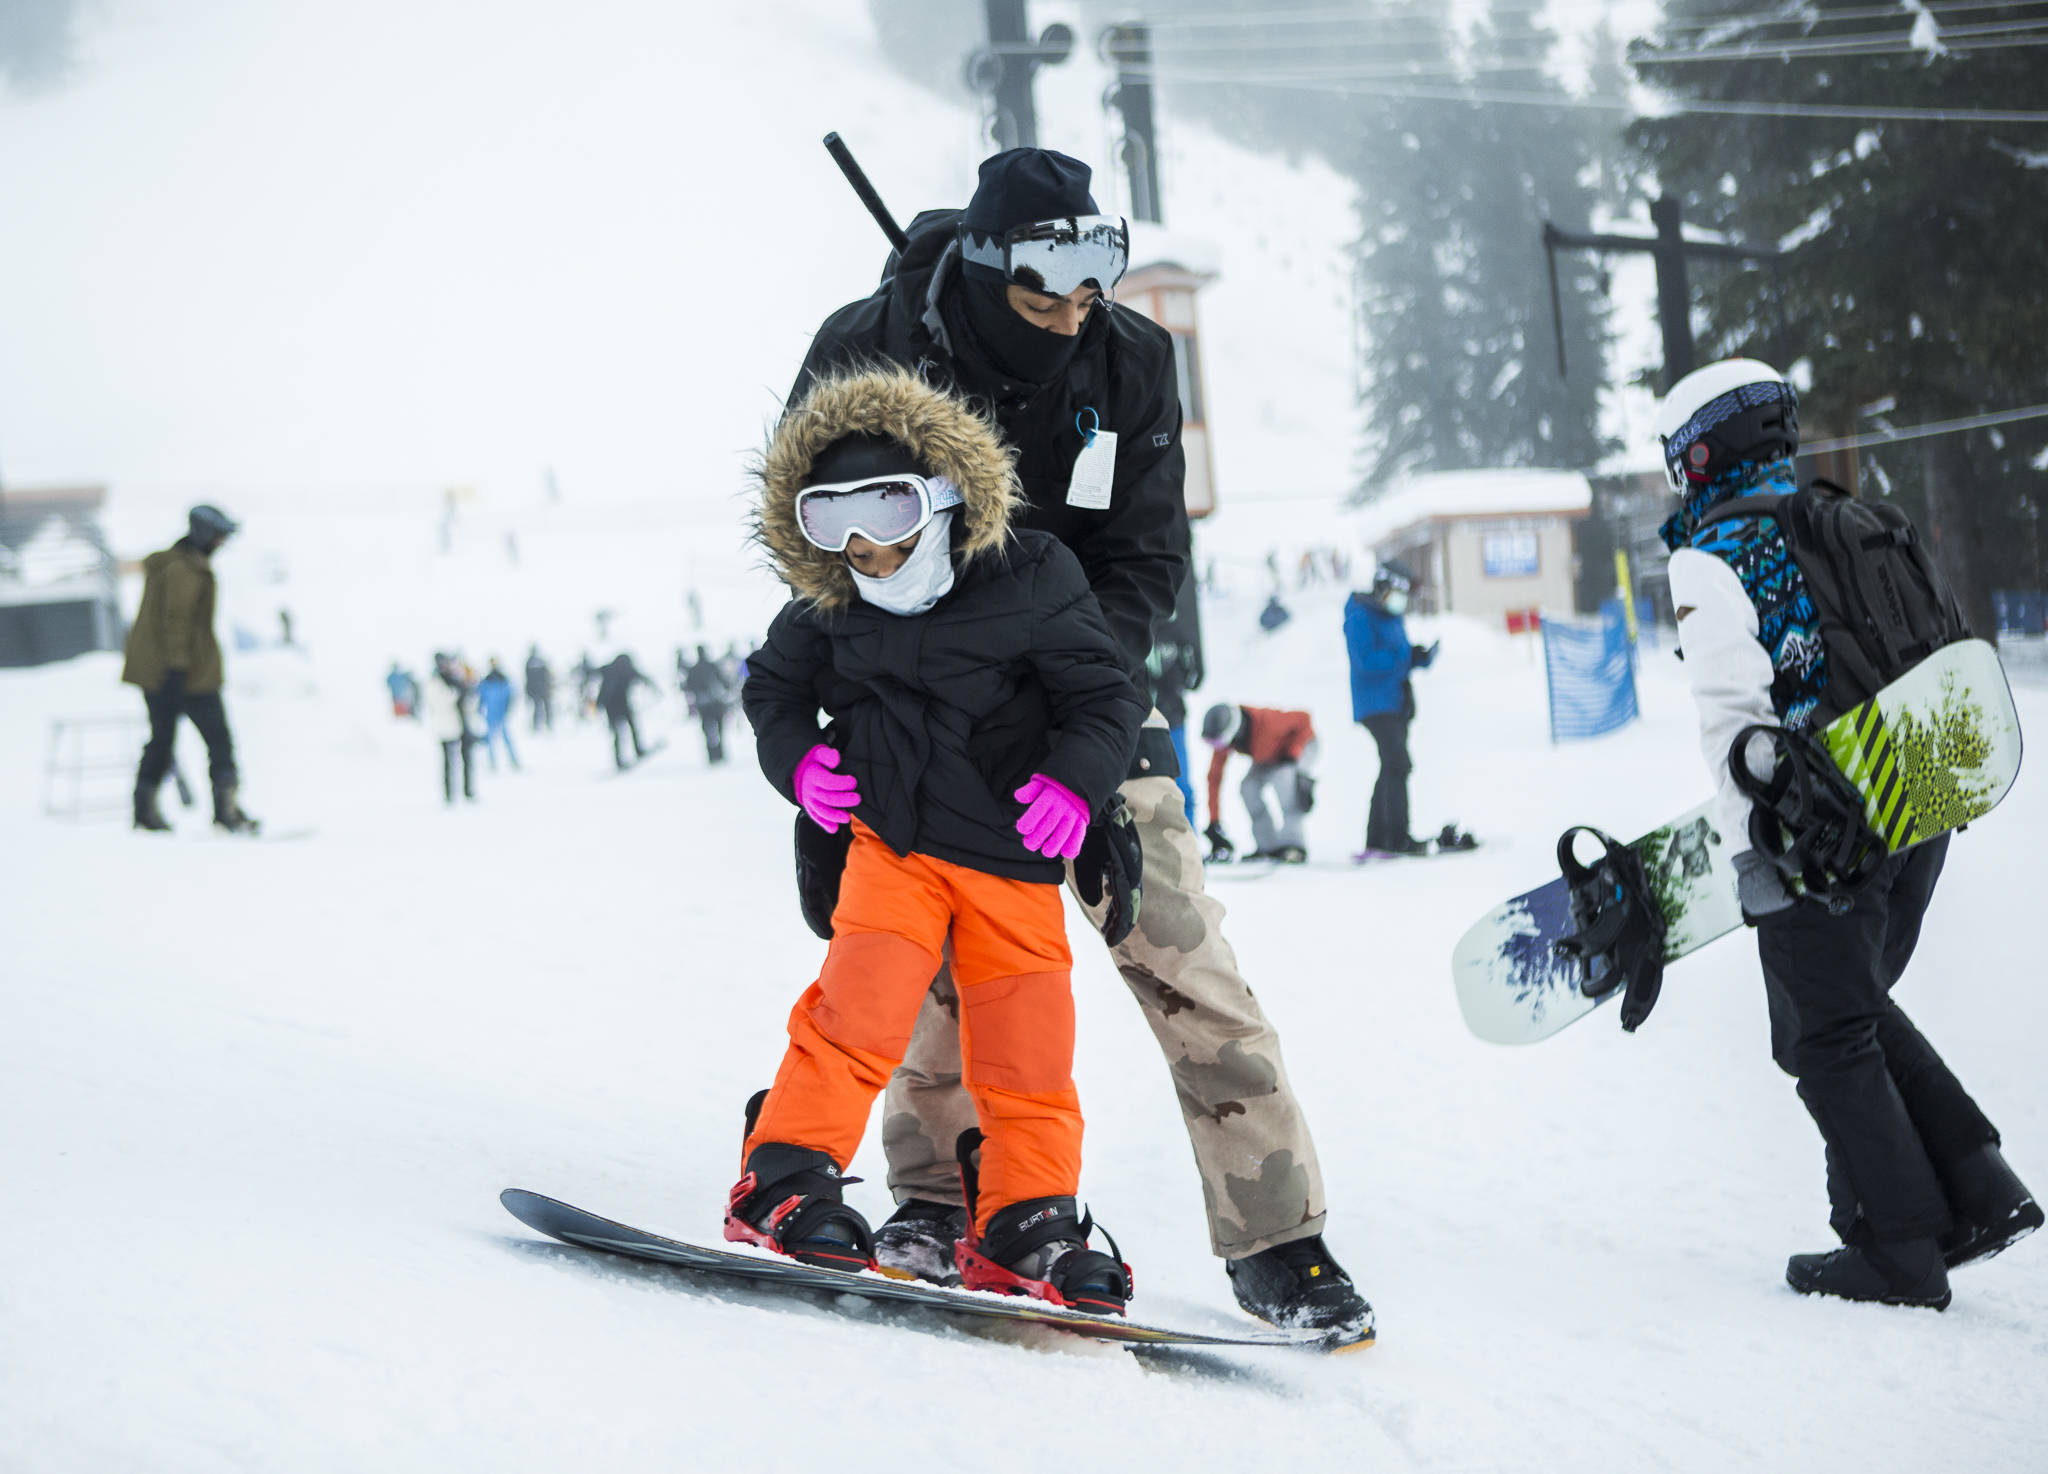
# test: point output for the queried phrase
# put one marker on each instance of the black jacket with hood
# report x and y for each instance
(938, 716)
(1135, 550)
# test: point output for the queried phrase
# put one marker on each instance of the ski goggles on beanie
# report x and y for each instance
(885, 510)
(1055, 256)
(1755, 421)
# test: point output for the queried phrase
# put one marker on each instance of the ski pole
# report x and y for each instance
(843, 157)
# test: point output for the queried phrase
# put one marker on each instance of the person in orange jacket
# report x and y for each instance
(980, 721)
(1282, 747)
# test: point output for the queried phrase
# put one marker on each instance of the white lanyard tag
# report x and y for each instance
(1094, 468)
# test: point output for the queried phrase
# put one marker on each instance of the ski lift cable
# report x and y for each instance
(1921, 432)
(1865, 112)
(2032, 34)
(1169, 23)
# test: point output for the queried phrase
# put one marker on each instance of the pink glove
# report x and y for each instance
(828, 797)
(1055, 818)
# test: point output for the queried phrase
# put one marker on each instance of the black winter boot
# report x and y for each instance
(1993, 1209)
(1298, 1286)
(227, 811)
(148, 813)
(1896, 1272)
(1039, 1247)
(917, 1242)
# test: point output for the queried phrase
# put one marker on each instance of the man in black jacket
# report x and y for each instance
(1008, 302)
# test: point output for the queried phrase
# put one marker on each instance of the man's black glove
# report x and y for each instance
(173, 688)
(1304, 792)
(1220, 848)
(1112, 864)
(1420, 656)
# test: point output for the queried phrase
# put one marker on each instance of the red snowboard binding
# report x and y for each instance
(1039, 1248)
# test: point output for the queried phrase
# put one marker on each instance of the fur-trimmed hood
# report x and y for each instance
(935, 426)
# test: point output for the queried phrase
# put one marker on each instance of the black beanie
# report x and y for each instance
(1020, 185)
(859, 457)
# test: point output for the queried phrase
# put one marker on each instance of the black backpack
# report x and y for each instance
(1882, 603)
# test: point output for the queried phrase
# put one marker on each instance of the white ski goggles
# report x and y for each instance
(885, 510)
(1056, 256)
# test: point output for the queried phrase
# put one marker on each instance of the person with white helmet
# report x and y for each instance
(1916, 1181)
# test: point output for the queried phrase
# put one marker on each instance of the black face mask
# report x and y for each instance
(1015, 347)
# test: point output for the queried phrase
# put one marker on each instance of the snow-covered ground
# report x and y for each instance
(260, 1098)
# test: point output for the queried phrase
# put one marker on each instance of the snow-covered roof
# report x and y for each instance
(1502, 493)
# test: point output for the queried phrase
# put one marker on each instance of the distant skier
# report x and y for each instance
(1009, 301)
(448, 706)
(404, 689)
(586, 675)
(710, 697)
(1383, 700)
(174, 656)
(1916, 1182)
(1282, 747)
(494, 705)
(980, 722)
(540, 691)
(615, 683)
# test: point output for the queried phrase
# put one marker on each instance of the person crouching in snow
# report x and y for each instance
(1282, 747)
(980, 722)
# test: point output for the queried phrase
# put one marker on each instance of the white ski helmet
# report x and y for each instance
(1740, 409)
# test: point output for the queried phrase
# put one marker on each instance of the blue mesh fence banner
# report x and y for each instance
(1592, 677)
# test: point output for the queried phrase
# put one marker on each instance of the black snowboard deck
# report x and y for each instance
(572, 1225)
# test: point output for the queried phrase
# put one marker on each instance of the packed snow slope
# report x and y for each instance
(261, 1097)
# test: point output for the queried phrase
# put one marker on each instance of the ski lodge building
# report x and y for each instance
(58, 582)
(1490, 544)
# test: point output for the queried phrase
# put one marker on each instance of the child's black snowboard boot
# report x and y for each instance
(788, 1201)
(917, 1242)
(1992, 1207)
(1898, 1272)
(1298, 1286)
(1039, 1247)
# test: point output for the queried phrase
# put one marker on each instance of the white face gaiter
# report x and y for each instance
(1396, 602)
(925, 577)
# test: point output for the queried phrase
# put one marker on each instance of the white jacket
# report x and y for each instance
(446, 713)
(1730, 673)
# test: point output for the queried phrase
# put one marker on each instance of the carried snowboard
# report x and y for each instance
(1934, 750)
(558, 1220)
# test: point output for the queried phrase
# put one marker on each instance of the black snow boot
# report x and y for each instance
(1992, 1207)
(917, 1242)
(227, 811)
(1039, 1247)
(788, 1201)
(148, 813)
(1899, 1272)
(1298, 1286)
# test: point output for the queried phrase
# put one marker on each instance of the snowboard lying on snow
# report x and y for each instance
(558, 1220)
(1934, 750)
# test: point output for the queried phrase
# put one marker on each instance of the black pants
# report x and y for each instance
(624, 726)
(543, 713)
(1386, 822)
(209, 716)
(1893, 1116)
(713, 720)
(464, 745)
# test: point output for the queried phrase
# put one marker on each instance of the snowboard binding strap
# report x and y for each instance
(1619, 941)
(1807, 819)
(1027, 1235)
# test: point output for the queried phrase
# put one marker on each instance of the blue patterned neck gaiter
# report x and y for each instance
(1787, 624)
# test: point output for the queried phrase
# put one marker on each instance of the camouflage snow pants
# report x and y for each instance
(1260, 1180)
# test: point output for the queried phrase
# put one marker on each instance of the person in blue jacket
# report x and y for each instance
(494, 703)
(1383, 701)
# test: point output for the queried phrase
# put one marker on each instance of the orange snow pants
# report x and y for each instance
(848, 1032)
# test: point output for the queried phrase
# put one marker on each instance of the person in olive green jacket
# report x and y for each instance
(174, 657)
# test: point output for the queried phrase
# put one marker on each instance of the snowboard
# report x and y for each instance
(1934, 750)
(558, 1220)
